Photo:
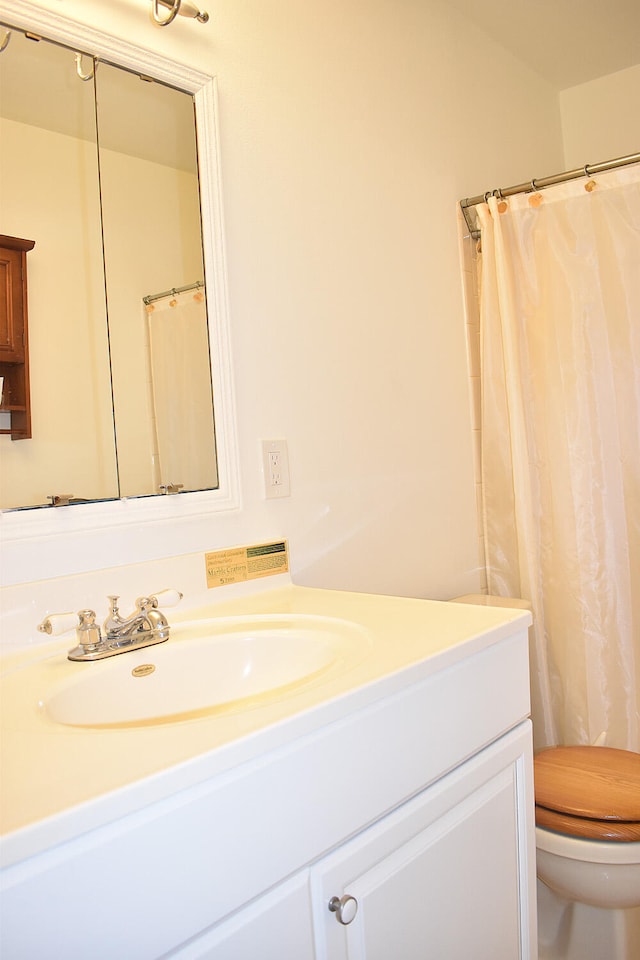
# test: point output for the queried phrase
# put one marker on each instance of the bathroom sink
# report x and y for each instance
(206, 666)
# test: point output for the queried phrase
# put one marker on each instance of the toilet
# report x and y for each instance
(588, 852)
(588, 846)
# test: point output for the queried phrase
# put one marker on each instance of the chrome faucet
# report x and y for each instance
(146, 625)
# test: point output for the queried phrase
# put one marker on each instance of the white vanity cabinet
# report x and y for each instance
(439, 877)
(277, 926)
(445, 875)
(407, 786)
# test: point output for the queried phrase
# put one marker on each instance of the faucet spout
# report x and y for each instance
(145, 621)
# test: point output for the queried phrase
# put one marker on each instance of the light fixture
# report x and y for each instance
(174, 7)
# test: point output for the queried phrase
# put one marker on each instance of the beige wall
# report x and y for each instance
(70, 396)
(349, 131)
(601, 119)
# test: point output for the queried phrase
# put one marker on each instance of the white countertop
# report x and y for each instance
(59, 781)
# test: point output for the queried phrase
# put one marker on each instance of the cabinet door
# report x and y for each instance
(276, 926)
(450, 875)
(11, 316)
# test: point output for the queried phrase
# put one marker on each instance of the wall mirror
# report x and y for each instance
(98, 165)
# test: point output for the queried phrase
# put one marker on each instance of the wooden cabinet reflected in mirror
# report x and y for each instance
(15, 400)
(112, 201)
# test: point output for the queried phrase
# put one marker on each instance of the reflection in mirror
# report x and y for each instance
(49, 193)
(152, 241)
(85, 372)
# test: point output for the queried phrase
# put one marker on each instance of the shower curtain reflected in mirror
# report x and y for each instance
(185, 455)
(560, 395)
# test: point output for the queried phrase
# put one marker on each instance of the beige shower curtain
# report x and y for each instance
(181, 392)
(560, 388)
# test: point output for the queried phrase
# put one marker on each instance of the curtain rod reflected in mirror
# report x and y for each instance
(172, 292)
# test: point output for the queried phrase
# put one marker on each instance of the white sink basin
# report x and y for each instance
(206, 666)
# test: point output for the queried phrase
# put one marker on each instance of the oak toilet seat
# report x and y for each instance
(586, 791)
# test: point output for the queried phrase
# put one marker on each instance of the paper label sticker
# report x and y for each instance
(246, 563)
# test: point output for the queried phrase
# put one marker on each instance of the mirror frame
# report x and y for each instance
(22, 524)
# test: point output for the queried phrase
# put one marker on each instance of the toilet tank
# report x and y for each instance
(484, 600)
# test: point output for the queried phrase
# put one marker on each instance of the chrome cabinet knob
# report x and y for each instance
(345, 908)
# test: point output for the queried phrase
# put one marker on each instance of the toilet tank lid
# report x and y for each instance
(483, 599)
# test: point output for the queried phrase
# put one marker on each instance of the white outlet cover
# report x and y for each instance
(275, 466)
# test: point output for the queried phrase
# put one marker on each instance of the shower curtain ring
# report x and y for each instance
(587, 173)
(80, 71)
(534, 189)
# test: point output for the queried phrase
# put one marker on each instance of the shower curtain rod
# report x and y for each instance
(532, 185)
(171, 293)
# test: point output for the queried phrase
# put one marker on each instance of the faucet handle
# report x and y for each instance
(57, 623)
(88, 632)
(166, 598)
